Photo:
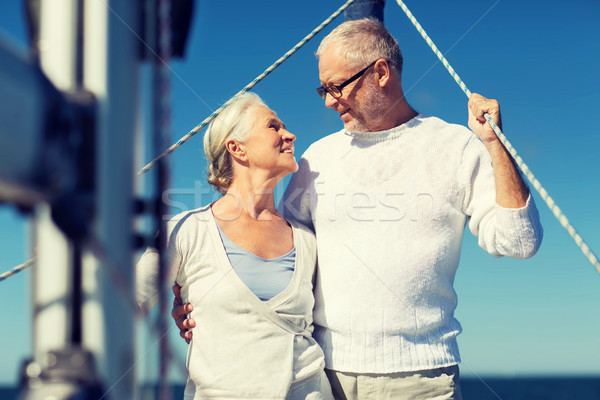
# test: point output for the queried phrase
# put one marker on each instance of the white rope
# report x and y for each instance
(17, 269)
(585, 249)
(246, 88)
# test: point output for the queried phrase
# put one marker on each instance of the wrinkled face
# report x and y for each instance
(269, 145)
(361, 103)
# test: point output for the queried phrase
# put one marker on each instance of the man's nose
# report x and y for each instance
(330, 100)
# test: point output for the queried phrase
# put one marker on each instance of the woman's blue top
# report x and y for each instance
(266, 278)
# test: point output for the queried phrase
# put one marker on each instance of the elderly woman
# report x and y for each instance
(247, 270)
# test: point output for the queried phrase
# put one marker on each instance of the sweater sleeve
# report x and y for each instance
(147, 270)
(299, 196)
(512, 232)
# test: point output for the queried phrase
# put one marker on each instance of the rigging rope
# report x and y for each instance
(17, 269)
(585, 249)
(246, 88)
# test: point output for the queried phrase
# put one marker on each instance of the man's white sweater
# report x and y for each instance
(389, 209)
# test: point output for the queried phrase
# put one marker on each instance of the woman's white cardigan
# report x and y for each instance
(242, 347)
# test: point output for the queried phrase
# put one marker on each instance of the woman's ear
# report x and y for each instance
(236, 149)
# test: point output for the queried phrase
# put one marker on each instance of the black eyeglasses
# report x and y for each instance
(336, 90)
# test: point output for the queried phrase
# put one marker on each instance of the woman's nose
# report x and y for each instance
(288, 136)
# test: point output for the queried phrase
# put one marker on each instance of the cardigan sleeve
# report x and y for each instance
(299, 196)
(147, 268)
(512, 232)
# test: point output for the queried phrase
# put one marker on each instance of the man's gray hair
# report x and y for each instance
(363, 41)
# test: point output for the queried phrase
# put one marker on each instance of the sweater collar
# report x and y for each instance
(388, 134)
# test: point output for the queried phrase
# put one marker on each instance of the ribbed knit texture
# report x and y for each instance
(389, 209)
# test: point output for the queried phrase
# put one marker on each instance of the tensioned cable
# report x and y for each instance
(585, 249)
(246, 88)
(17, 269)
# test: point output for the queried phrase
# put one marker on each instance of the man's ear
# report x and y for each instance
(236, 149)
(382, 72)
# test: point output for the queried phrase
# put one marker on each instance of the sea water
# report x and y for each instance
(487, 388)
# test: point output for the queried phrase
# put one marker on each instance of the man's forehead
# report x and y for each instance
(332, 65)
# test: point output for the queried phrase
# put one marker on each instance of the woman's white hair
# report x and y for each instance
(234, 122)
(363, 41)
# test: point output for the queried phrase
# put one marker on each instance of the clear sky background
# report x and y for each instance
(539, 59)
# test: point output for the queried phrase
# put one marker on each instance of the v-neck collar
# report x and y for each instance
(266, 308)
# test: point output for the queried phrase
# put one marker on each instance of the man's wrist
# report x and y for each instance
(495, 148)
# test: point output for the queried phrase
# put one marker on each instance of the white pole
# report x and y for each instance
(50, 278)
(111, 62)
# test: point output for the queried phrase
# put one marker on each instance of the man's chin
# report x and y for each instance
(355, 126)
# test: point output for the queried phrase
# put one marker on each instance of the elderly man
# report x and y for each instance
(388, 198)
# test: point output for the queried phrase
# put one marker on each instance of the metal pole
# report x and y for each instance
(60, 368)
(111, 65)
(161, 135)
(50, 278)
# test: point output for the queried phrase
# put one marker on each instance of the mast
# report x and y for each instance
(111, 62)
(83, 322)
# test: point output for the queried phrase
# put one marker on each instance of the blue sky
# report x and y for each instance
(539, 59)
